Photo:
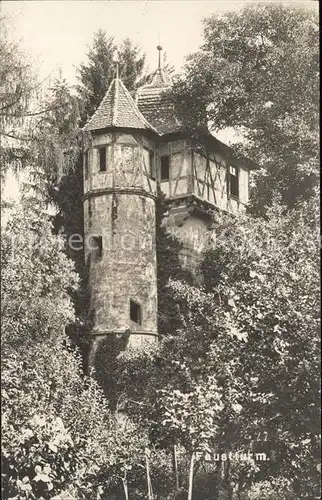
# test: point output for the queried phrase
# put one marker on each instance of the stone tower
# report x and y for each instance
(119, 219)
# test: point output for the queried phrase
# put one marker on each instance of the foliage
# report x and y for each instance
(232, 378)
(257, 72)
(58, 433)
(35, 128)
(56, 149)
(17, 88)
(36, 279)
(169, 267)
(59, 436)
(238, 367)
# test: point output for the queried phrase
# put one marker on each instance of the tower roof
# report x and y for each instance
(118, 109)
(153, 102)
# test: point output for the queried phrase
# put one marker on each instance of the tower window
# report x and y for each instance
(233, 181)
(152, 165)
(165, 167)
(86, 164)
(135, 312)
(96, 247)
(102, 154)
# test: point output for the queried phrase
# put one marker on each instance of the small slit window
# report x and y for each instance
(233, 181)
(165, 167)
(102, 157)
(86, 163)
(135, 312)
(152, 165)
(96, 247)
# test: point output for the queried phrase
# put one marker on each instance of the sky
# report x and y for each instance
(57, 34)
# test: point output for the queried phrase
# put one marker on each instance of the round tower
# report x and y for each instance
(119, 220)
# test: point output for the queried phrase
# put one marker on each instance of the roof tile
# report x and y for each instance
(154, 104)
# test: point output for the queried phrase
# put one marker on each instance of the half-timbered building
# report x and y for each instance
(136, 149)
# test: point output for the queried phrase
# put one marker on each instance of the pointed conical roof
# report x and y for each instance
(118, 109)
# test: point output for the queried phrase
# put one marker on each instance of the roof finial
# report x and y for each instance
(159, 62)
(116, 60)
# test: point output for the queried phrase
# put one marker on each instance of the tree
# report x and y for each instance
(257, 72)
(36, 278)
(167, 66)
(24, 109)
(56, 149)
(18, 91)
(132, 65)
(59, 436)
(248, 348)
(96, 75)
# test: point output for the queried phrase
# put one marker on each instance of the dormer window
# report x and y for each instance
(233, 182)
(102, 157)
(165, 167)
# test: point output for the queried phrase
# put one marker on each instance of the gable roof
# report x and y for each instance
(118, 109)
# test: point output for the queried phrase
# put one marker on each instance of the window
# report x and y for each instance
(135, 312)
(152, 165)
(96, 247)
(165, 167)
(233, 181)
(86, 162)
(114, 207)
(102, 153)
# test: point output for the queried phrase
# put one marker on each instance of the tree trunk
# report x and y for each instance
(192, 461)
(175, 467)
(148, 477)
(126, 492)
(227, 479)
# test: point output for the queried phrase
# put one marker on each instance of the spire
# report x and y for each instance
(159, 78)
(159, 61)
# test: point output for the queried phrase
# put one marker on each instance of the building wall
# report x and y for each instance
(192, 174)
(192, 232)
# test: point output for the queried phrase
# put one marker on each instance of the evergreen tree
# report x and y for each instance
(97, 73)
(132, 65)
(17, 86)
